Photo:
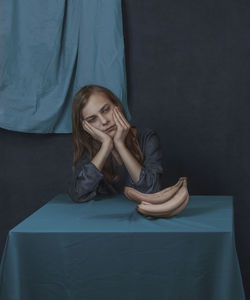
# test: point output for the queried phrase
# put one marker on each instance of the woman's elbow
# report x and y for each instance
(81, 197)
(153, 184)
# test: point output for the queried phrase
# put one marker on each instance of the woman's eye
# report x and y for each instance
(91, 120)
(107, 109)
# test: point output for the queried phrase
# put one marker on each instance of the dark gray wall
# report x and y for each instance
(188, 69)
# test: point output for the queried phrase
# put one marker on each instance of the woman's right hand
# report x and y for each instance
(97, 134)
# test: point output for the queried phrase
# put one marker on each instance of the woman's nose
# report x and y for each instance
(103, 119)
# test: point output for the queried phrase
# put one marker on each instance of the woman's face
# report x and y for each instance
(98, 112)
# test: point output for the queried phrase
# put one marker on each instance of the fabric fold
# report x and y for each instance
(49, 50)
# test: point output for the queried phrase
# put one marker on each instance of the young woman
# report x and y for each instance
(109, 153)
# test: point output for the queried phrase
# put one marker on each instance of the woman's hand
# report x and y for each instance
(96, 133)
(122, 126)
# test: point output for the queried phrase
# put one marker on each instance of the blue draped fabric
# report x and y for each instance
(49, 50)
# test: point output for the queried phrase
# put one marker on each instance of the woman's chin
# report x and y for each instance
(111, 132)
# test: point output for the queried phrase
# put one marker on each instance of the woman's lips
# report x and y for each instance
(111, 128)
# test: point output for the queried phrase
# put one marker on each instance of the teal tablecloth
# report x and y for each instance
(105, 249)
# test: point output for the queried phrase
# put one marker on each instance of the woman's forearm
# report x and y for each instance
(101, 156)
(130, 162)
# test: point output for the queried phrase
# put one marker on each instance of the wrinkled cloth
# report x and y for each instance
(49, 50)
(87, 181)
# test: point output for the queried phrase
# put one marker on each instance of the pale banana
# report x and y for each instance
(167, 207)
(170, 213)
(154, 198)
(177, 210)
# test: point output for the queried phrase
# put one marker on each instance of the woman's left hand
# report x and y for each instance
(122, 125)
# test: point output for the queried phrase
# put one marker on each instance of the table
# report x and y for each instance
(105, 249)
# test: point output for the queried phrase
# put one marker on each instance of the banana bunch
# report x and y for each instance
(163, 204)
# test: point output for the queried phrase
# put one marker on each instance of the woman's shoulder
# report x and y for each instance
(144, 131)
(147, 137)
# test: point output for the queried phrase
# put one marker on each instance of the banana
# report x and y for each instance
(166, 207)
(154, 198)
(159, 197)
(177, 210)
(172, 213)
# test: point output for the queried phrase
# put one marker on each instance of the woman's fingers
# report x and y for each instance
(94, 130)
(91, 127)
(121, 118)
(87, 127)
(117, 121)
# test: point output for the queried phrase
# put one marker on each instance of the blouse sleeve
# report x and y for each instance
(152, 169)
(85, 181)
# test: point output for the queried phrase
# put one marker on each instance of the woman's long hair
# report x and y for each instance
(85, 144)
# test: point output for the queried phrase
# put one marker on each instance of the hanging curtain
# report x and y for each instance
(49, 49)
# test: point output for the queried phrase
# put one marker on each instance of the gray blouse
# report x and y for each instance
(87, 181)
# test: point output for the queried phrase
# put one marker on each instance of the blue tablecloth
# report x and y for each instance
(105, 249)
